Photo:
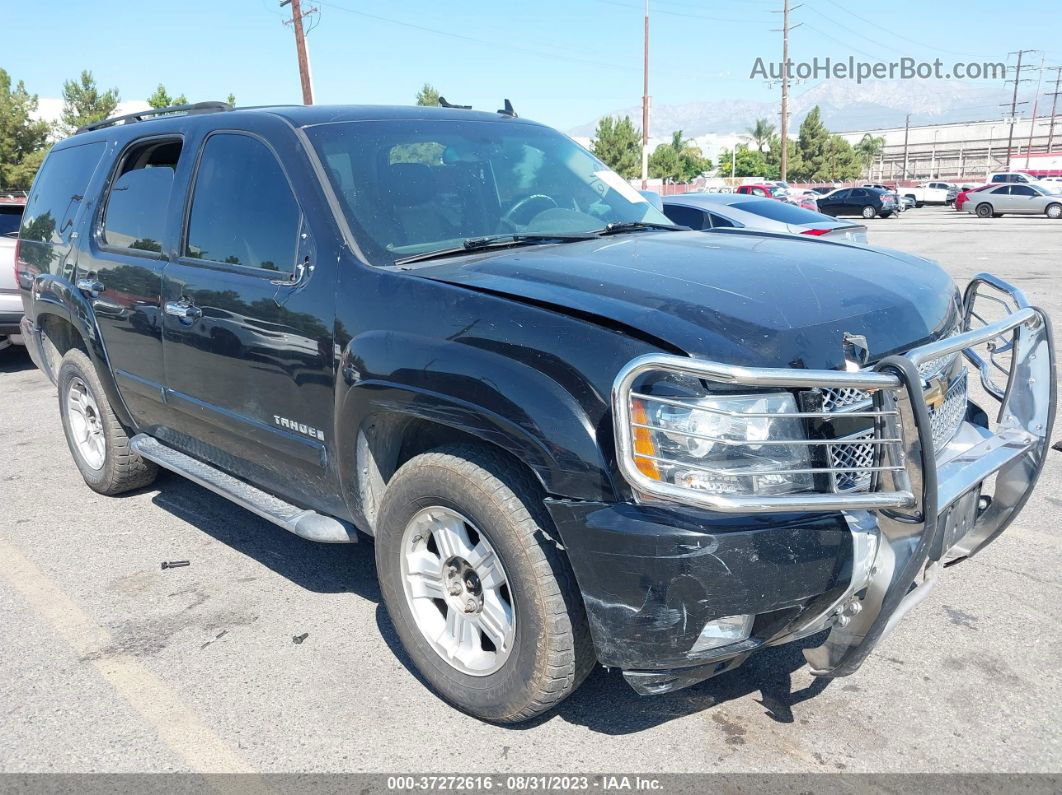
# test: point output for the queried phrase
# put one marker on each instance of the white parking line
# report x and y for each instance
(179, 727)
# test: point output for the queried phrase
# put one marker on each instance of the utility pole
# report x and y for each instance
(645, 104)
(1036, 107)
(786, 27)
(1054, 105)
(1014, 104)
(300, 48)
(906, 137)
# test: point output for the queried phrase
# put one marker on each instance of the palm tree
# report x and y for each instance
(868, 149)
(761, 133)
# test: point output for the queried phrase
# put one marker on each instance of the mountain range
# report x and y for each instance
(845, 106)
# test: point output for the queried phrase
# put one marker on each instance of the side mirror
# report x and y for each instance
(653, 198)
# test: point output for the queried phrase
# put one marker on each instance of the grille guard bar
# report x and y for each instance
(897, 528)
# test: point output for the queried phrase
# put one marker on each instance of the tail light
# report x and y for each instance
(816, 232)
(18, 243)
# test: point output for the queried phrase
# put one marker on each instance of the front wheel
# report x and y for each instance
(1053, 211)
(480, 596)
(869, 212)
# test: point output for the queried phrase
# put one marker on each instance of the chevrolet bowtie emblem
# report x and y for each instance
(936, 392)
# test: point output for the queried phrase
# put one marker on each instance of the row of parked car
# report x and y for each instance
(1004, 192)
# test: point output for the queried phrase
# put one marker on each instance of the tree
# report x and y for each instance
(678, 161)
(83, 103)
(813, 145)
(428, 96)
(762, 133)
(619, 145)
(868, 149)
(231, 99)
(746, 162)
(162, 99)
(23, 141)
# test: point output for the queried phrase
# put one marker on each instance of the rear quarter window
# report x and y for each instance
(58, 192)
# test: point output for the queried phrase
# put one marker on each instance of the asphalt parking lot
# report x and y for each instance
(269, 653)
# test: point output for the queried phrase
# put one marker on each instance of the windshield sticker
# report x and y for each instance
(610, 179)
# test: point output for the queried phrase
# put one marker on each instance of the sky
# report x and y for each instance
(561, 62)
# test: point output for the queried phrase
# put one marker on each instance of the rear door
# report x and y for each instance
(249, 311)
(120, 268)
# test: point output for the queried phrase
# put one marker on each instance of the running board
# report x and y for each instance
(300, 521)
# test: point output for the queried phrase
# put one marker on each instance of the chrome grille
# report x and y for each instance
(856, 459)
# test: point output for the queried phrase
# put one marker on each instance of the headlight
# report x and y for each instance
(723, 444)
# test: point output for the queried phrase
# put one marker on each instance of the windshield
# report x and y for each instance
(413, 187)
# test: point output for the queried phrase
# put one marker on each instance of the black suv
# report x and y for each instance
(577, 432)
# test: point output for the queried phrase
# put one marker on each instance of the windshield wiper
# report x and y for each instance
(618, 227)
(495, 241)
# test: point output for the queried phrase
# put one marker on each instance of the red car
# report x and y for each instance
(767, 191)
(960, 200)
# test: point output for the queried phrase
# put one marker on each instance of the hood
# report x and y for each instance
(752, 299)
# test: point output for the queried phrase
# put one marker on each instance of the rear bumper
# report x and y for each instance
(10, 323)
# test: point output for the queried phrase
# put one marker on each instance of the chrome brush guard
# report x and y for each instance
(904, 524)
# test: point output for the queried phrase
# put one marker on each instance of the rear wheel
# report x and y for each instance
(869, 212)
(97, 441)
(984, 210)
(481, 598)
(1053, 211)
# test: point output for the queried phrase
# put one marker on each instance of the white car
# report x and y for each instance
(10, 300)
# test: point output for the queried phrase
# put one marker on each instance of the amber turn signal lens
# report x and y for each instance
(643, 442)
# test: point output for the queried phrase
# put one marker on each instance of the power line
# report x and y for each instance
(1014, 100)
(498, 44)
(933, 47)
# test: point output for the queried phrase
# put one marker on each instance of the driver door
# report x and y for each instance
(249, 312)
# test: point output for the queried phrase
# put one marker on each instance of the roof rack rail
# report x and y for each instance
(130, 118)
(444, 104)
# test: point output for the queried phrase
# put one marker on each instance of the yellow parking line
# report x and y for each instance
(179, 727)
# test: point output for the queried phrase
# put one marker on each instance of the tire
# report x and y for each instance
(869, 212)
(495, 500)
(1053, 211)
(984, 210)
(86, 412)
(920, 205)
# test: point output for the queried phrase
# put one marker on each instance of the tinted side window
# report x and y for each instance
(685, 216)
(54, 200)
(1001, 191)
(243, 210)
(841, 194)
(718, 221)
(1022, 190)
(138, 202)
(860, 194)
(999, 177)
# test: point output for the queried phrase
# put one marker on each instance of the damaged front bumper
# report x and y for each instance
(855, 563)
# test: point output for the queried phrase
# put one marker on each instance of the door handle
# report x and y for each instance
(183, 309)
(91, 286)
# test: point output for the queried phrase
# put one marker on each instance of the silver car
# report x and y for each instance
(711, 211)
(1014, 198)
